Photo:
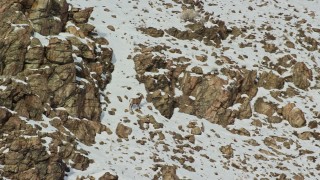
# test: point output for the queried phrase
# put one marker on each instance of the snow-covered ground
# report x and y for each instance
(131, 160)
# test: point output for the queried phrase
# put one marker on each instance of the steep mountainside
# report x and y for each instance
(230, 89)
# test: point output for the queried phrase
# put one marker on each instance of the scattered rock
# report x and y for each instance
(111, 28)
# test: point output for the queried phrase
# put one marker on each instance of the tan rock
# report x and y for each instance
(108, 176)
(294, 115)
(59, 51)
(169, 173)
(265, 108)
(301, 75)
(82, 16)
(151, 31)
(4, 115)
(227, 151)
(196, 131)
(123, 131)
(269, 80)
(111, 28)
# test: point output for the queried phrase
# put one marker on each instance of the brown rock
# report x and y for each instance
(82, 16)
(123, 131)
(59, 51)
(111, 28)
(152, 32)
(196, 131)
(43, 12)
(4, 115)
(294, 115)
(301, 75)
(270, 81)
(108, 176)
(227, 151)
(169, 173)
(265, 108)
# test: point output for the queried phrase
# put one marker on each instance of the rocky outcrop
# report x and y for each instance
(211, 36)
(28, 159)
(48, 17)
(52, 79)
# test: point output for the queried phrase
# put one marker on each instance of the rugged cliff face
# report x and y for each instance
(231, 89)
(53, 80)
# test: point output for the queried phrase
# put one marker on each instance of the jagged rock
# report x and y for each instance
(28, 158)
(43, 80)
(108, 176)
(301, 75)
(294, 115)
(35, 55)
(169, 173)
(86, 29)
(163, 102)
(200, 32)
(85, 130)
(151, 31)
(48, 17)
(210, 99)
(14, 38)
(15, 91)
(123, 131)
(30, 107)
(59, 51)
(75, 31)
(81, 16)
(270, 81)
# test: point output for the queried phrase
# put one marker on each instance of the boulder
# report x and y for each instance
(266, 108)
(294, 115)
(81, 16)
(301, 75)
(123, 131)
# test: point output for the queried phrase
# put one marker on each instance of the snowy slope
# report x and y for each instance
(131, 160)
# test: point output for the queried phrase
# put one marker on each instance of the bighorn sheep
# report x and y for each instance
(136, 101)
